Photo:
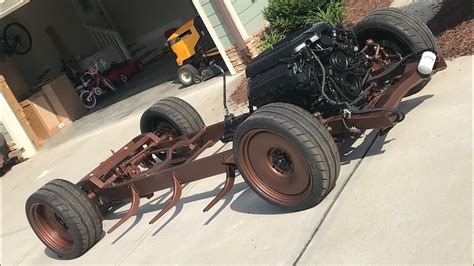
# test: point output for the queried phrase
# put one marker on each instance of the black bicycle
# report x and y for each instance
(16, 39)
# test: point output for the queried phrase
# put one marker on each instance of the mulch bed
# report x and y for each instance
(239, 97)
(357, 9)
(452, 27)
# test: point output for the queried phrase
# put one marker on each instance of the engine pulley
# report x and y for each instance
(351, 85)
(338, 61)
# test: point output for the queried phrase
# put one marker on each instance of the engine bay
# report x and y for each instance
(320, 68)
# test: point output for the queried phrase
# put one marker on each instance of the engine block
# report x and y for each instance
(295, 69)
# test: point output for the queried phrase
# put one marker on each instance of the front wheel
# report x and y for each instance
(64, 219)
(88, 99)
(188, 75)
(287, 156)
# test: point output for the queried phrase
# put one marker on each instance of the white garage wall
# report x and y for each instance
(37, 16)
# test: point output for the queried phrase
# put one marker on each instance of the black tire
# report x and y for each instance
(404, 32)
(300, 129)
(64, 219)
(28, 44)
(187, 74)
(174, 111)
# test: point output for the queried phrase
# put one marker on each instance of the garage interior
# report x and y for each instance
(41, 89)
(70, 36)
(83, 31)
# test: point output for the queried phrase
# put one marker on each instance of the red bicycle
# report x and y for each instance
(94, 84)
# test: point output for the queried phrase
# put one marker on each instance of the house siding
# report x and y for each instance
(250, 14)
(217, 23)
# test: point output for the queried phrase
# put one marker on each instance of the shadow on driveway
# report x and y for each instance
(248, 201)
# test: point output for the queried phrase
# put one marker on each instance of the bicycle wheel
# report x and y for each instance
(88, 99)
(17, 38)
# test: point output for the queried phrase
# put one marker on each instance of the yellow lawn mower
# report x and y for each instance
(194, 51)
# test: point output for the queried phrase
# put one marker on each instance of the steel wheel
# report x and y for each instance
(275, 167)
(51, 228)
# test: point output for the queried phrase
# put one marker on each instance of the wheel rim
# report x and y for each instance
(161, 126)
(17, 38)
(186, 77)
(88, 99)
(274, 167)
(51, 228)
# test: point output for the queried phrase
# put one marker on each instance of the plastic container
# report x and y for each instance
(426, 63)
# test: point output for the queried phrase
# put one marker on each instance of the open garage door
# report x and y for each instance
(8, 6)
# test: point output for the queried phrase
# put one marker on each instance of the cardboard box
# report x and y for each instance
(64, 99)
(41, 116)
(53, 107)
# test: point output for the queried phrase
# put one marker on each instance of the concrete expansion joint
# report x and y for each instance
(326, 213)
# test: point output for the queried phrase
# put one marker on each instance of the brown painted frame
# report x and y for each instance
(120, 178)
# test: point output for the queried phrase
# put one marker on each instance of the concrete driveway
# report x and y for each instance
(402, 198)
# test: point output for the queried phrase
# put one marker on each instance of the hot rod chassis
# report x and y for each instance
(161, 159)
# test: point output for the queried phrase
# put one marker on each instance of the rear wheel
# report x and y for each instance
(174, 113)
(174, 117)
(398, 31)
(188, 75)
(64, 219)
(287, 156)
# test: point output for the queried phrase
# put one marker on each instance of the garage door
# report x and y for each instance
(8, 6)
